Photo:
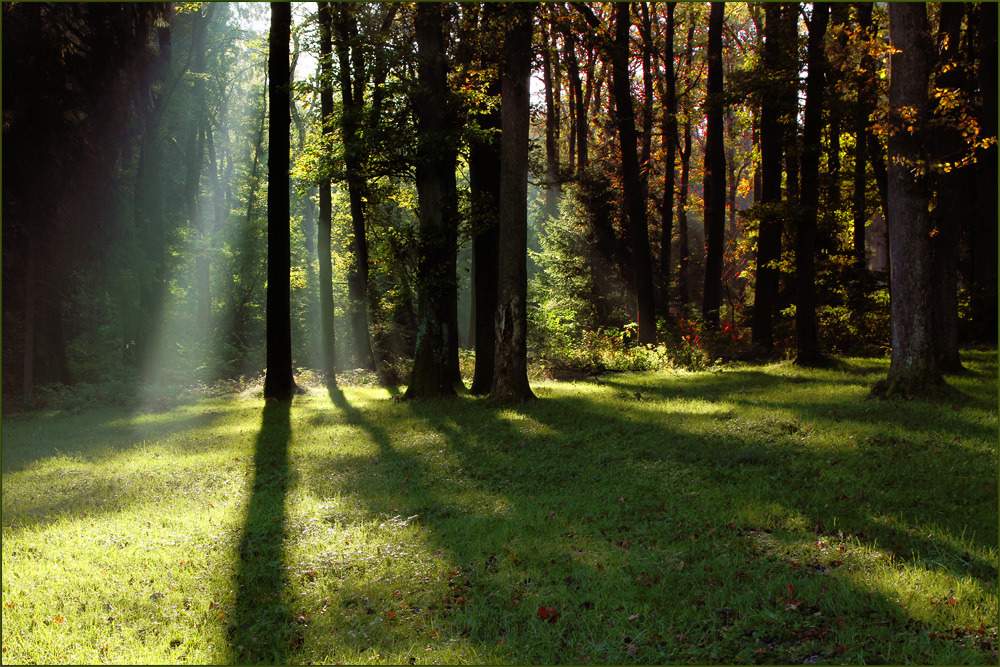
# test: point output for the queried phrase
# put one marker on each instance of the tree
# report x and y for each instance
(806, 335)
(74, 75)
(866, 87)
(683, 232)
(635, 204)
(913, 366)
(351, 76)
(325, 220)
(715, 172)
(984, 259)
(668, 129)
(484, 192)
(432, 373)
(953, 186)
(510, 378)
(551, 80)
(771, 132)
(279, 382)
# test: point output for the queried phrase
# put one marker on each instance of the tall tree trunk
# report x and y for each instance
(510, 378)
(683, 241)
(865, 81)
(635, 205)
(806, 333)
(325, 223)
(839, 13)
(789, 23)
(789, 42)
(279, 382)
(351, 76)
(484, 187)
(646, 31)
(715, 172)
(913, 365)
(580, 126)
(984, 255)
(550, 65)
(573, 72)
(438, 211)
(669, 146)
(769, 237)
(195, 160)
(953, 191)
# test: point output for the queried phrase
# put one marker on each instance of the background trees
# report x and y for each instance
(136, 215)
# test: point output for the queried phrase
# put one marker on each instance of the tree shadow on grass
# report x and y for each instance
(583, 515)
(26, 443)
(608, 516)
(262, 630)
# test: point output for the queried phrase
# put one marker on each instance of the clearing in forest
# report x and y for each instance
(752, 514)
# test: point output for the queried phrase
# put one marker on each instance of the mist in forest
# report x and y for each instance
(663, 209)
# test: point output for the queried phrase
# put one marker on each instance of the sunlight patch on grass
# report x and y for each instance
(755, 514)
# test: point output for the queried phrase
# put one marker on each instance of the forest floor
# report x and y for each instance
(751, 514)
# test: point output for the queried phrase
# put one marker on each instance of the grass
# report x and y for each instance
(757, 514)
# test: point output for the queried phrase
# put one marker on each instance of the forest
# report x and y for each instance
(527, 332)
(703, 183)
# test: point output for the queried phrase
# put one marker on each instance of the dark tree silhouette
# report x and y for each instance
(806, 332)
(510, 378)
(432, 374)
(279, 382)
(325, 221)
(715, 172)
(635, 204)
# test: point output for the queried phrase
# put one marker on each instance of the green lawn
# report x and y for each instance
(755, 514)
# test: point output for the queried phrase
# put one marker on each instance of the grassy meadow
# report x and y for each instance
(753, 514)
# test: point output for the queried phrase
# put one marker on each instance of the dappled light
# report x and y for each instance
(499, 333)
(360, 529)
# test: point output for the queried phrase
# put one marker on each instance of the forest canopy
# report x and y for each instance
(487, 191)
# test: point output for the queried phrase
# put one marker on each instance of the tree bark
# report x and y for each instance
(510, 378)
(715, 173)
(635, 205)
(432, 373)
(862, 112)
(279, 383)
(806, 333)
(683, 241)
(484, 187)
(953, 192)
(984, 234)
(769, 237)
(351, 76)
(646, 31)
(913, 365)
(550, 63)
(669, 146)
(325, 222)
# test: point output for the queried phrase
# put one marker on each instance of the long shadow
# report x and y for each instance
(262, 630)
(503, 458)
(735, 447)
(551, 459)
(27, 442)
